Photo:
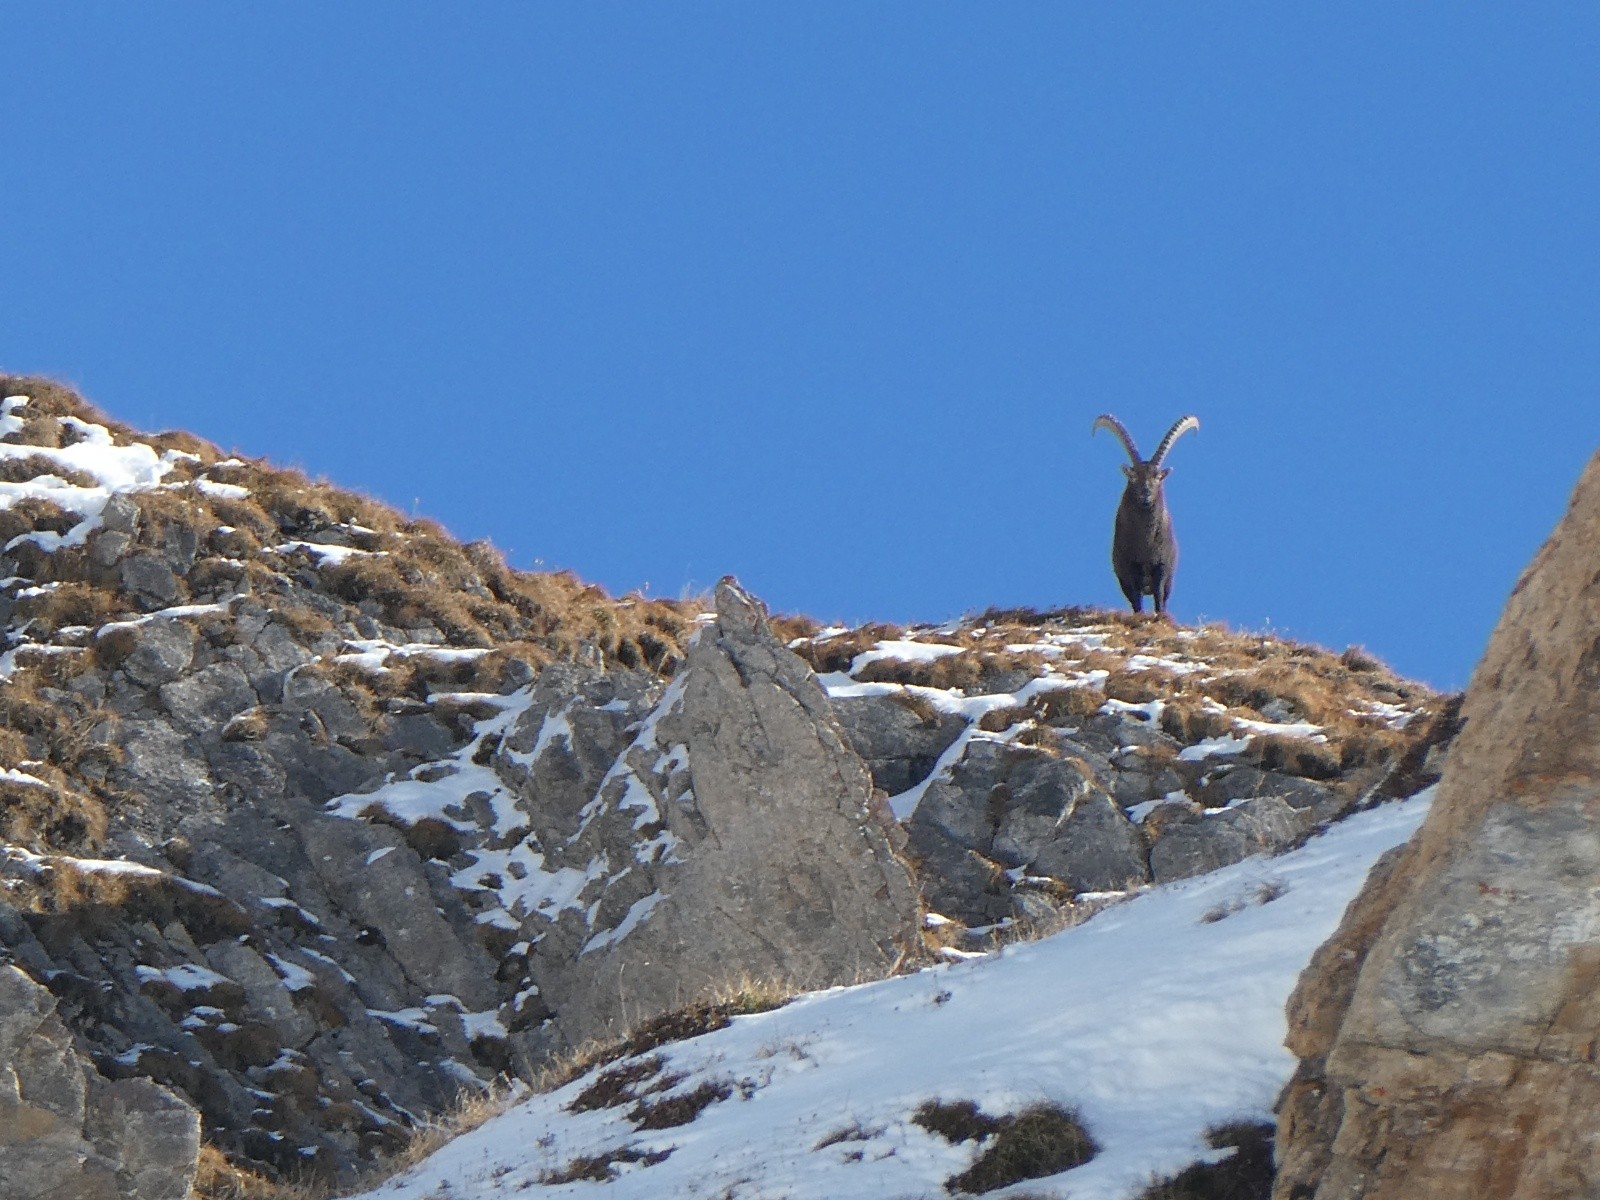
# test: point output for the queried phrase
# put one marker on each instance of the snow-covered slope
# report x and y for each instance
(1156, 1020)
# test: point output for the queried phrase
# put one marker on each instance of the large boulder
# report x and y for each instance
(67, 1131)
(1447, 1032)
(1008, 809)
(740, 837)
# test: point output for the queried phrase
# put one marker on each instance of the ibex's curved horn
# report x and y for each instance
(1182, 426)
(1108, 422)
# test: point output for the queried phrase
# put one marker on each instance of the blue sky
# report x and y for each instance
(827, 295)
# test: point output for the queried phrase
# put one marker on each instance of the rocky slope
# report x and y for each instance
(1447, 1032)
(316, 817)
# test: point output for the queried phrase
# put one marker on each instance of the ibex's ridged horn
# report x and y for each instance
(1182, 426)
(1107, 422)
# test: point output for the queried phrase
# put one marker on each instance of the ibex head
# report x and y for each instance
(1144, 475)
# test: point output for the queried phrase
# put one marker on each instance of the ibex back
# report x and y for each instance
(1144, 552)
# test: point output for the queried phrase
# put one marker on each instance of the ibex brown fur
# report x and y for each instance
(1144, 552)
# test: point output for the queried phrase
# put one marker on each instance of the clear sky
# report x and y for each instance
(826, 295)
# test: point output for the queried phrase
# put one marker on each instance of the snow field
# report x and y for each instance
(1157, 1019)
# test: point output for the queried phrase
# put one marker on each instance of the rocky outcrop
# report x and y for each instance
(1447, 1032)
(764, 853)
(65, 1130)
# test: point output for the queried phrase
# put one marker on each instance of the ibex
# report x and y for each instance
(1144, 552)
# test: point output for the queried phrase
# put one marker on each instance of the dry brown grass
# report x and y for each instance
(65, 604)
(33, 466)
(835, 654)
(219, 1179)
(714, 1010)
(601, 1168)
(972, 671)
(50, 818)
(34, 514)
(1136, 687)
(421, 578)
(60, 729)
(48, 401)
(1247, 1174)
(1188, 721)
(163, 509)
(616, 1086)
(1043, 1139)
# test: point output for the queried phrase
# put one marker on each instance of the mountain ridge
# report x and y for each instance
(315, 816)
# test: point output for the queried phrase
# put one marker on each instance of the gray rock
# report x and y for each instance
(162, 650)
(959, 881)
(1030, 813)
(268, 998)
(278, 649)
(107, 547)
(162, 764)
(378, 880)
(781, 866)
(899, 744)
(150, 581)
(958, 809)
(152, 1134)
(1219, 838)
(1244, 782)
(121, 514)
(335, 715)
(67, 1132)
(1018, 807)
(419, 735)
(1097, 848)
(576, 725)
(206, 700)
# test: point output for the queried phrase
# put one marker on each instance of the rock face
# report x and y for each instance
(65, 1130)
(767, 856)
(1447, 1032)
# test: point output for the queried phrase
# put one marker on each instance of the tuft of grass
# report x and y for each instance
(956, 1121)
(1246, 1174)
(48, 401)
(1359, 658)
(219, 1179)
(33, 466)
(669, 1112)
(827, 655)
(470, 1110)
(1187, 721)
(715, 1010)
(973, 671)
(34, 514)
(615, 1087)
(1042, 1140)
(65, 604)
(52, 816)
(1064, 705)
(998, 720)
(601, 1168)
(854, 1132)
(1295, 756)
